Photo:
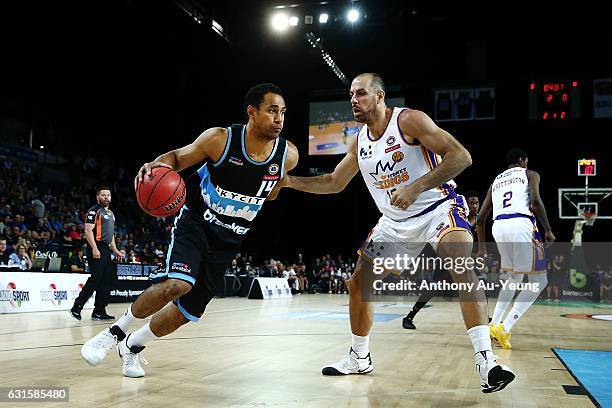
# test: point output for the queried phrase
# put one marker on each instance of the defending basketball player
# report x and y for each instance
(399, 153)
(233, 171)
(514, 197)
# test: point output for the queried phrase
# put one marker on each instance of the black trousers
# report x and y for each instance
(101, 279)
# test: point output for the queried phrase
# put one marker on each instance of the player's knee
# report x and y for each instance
(354, 283)
(175, 288)
(541, 280)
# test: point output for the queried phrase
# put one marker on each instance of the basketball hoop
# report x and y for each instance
(589, 218)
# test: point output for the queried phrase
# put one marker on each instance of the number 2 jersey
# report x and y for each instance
(230, 192)
(510, 193)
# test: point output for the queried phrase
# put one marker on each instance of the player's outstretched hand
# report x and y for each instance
(403, 197)
(146, 169)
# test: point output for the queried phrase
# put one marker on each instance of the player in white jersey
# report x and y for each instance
(514, 197)
(399, 153)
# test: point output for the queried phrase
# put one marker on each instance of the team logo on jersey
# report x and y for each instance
(398, 157)
(392, 148)
(391, 178)
(365, 153)
(273, 169)
(390, 140)
(237, 162)
(383, 167)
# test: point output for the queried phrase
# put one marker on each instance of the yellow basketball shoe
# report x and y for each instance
(499, 334)
(493, 338)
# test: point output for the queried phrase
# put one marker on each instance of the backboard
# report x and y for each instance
(573, 202)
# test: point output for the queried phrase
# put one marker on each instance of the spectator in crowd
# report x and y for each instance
(38, 208)
(555, 270)
(21, 258)
(234, 269)
(605, 287)
(76, 261)
(132, 258)
(4, 255)
(598, 272)
(301, 275)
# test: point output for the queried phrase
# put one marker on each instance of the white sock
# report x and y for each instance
(504, 299)
(481, 340)
(141, 336)
(125, 320)
(361, 345)
(524, 300)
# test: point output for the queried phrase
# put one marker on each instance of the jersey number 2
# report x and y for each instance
(507, 198)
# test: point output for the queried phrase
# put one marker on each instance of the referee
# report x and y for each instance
(100, 236)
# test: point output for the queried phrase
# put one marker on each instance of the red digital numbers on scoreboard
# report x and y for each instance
(587, 167)
(554, 100)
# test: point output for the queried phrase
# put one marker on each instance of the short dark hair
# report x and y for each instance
(100, 188)
(376, 80)
(255, 95)
(471, 193)
(514, 155)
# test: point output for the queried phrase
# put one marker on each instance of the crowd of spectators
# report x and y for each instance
(39, 217)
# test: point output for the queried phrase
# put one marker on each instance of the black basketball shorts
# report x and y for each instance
(199, 253)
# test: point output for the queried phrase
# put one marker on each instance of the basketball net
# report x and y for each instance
(588, 219)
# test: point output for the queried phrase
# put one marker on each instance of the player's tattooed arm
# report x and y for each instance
(456, 158)
(481, 223)
(211, 143)
(537, 205)
(291, 161)
(329, 183)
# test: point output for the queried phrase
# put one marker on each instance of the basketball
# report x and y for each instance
(162, 193)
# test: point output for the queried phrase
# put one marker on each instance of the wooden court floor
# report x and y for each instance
(255, 353)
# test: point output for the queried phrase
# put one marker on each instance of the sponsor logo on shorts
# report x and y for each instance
(273, 169)
(267, 177)
(390, 140)
(180, 267)
(392, 148)
(441, 230)
(236, 161)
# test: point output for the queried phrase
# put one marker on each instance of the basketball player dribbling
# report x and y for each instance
(473, 204)
(233, 171)
(514, 197)
(398, 152)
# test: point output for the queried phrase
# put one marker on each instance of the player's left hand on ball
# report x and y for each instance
(403, 197)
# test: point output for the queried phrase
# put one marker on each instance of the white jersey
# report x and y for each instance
(510, 193)
(390, 162)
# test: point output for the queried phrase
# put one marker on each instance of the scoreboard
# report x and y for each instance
(554, 100)
(587, 167)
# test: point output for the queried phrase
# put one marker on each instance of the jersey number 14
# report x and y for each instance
(266, 187)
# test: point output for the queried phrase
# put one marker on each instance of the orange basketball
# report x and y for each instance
(162, 193)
